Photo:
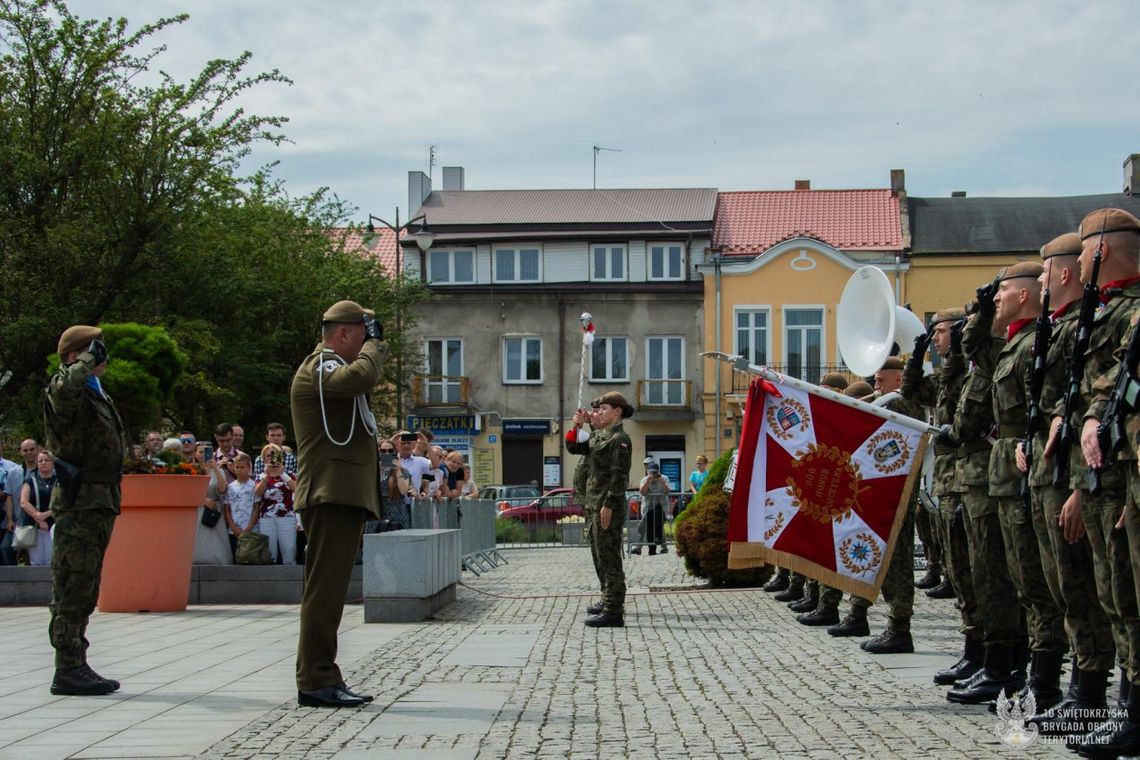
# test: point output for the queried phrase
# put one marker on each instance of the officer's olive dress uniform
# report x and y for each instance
(610, 455)
(336, 493)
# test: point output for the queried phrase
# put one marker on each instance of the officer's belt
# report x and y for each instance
(940, 450)
(1011, 431)
(969, 447)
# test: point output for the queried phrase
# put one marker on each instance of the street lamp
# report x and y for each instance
(424, 239)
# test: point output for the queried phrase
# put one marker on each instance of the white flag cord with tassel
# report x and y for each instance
(587, 341)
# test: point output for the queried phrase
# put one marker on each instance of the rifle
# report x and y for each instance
(1041, 340)
(1090, 300)
(1110, 431)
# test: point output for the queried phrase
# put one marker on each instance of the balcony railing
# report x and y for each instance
(440, 390)
(810, 373)
(664, 393)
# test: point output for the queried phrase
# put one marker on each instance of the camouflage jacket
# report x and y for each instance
(939, 391)
(1110, 327)
(609, 461)
(83, 428)
(1053, 387)
(1102, 389)
(582, 469)
(1011, 409)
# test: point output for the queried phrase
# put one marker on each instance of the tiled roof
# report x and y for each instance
(384, 251)
(751, 222)
(614, 206)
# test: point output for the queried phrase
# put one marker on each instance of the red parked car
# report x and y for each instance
(546, 509)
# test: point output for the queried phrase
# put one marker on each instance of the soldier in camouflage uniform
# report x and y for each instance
(1066, 556)
(609, 460)
(83, 430)
(941, 392)
(995, 593)
(1018, 305)
(581, 480)
(1117, 234)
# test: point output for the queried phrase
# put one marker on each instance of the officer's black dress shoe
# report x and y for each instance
(778, 583)
(852, 625)
(80, 682)
(595, 608)
(889, 642)
(821, 615)
(606, 620)
(344, 687)
(942, 591)
(959, 671)
(330, 696)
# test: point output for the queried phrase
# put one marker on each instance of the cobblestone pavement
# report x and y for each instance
(510, 671)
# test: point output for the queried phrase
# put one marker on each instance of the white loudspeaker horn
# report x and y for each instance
(868, 322)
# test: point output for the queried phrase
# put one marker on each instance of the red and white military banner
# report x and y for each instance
(821, 484)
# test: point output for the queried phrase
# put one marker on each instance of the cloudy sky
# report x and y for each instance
(1007, 98)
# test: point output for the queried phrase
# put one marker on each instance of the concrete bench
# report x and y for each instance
(409, 574)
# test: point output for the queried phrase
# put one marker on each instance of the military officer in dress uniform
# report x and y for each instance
(581, 480)
(83, 431)
(609, 460)
(336, 487)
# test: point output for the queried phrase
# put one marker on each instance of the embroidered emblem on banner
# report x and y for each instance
(776, 527)
(788, 418)
(889, 450)
(824, 483)
(860, 553)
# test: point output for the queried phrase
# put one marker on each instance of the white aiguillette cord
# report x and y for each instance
(361, 404)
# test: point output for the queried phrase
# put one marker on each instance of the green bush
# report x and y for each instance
(702, 534)
(510, 532)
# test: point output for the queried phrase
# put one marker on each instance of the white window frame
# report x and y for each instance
(444, 385)
(516, 250)
(524, 339)
(822, 309)
(769, 329)
(666, 383)
(682, 268)
(610, 248)
(450, 266)
(609, 360)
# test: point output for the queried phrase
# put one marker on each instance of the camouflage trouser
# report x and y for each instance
(1112, 569)
(808, 583)
(590, 530)
(928, 535)
(995, 593)
(830, 597)
(1068, 570)
(606, 547)
(956, 562)
(1046, 624)
(898, 583)
(79, 542)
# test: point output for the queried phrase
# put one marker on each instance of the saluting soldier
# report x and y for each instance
(1117, 234)
(336, 487)
(581, 482)
(1004, 629)
(609, 460)
(83, 430)
(1066, 556)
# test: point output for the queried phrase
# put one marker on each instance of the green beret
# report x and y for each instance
(77, 338)
(893, 362)
(1068, 244)
(1108, 220)
(948, 315)
(858, 389)
(346, 312)
(615, 399)
(834, 380)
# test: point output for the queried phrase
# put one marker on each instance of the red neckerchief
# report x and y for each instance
(1061, 311)
(1016, 326)
(1106, 293)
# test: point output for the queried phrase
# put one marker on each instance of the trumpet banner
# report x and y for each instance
(821, 486)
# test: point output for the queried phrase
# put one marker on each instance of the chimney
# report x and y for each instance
(419, 188)
(453, 178)
(958, 194)
(1132, 174)
(803, 184)
(898, 181)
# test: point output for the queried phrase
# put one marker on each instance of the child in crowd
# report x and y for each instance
(277, 520)
(241, 502)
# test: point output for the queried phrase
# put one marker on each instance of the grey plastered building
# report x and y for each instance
(510, 272)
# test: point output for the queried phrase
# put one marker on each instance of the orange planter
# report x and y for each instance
(148, 562)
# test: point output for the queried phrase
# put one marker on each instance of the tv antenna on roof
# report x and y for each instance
(598, 149)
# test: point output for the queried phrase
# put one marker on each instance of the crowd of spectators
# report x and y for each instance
(244, 495)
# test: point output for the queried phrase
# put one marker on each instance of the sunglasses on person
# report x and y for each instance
(387, 451)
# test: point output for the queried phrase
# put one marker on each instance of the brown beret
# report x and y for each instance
(858, 389)
(948, 315)
(1030, 269)
(893, 362)
(346, 312)
(613, 398)
(1068, 244)
(1108, 220)
(836, 380)
(77, 338)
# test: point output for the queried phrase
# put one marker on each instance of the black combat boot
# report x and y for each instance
(80, 682)
(824, 614)
(595, 608)
(1019, 665)
(995, 680)
(855, 624)
(889, 642)
(1044, 681)
(114, 684)
(973, 656)
(942, 591)
(606, 620)
(793, 593)
(809, 602)
(1125, 739)
(1070, 695)
(930, 580)
(779, 581)
(1079, 715)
